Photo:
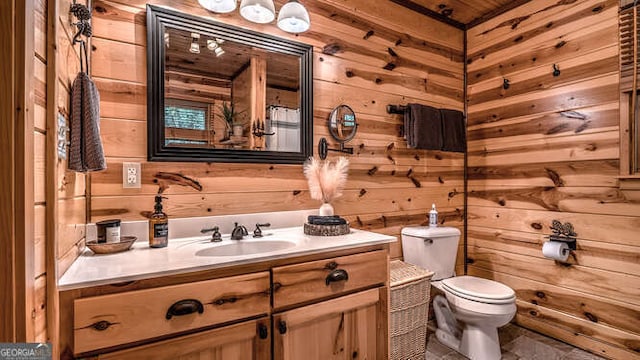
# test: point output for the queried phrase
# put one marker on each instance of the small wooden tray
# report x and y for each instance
(326, 230)
(111, 248)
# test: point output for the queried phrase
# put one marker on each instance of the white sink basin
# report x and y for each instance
(243, 247)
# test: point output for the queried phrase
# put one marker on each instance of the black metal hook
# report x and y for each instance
(505, 84)
(83, 14)
(556, 70)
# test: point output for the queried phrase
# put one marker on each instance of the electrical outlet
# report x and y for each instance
(131, 175)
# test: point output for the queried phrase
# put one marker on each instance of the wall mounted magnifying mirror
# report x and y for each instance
(342, 127)
(220, 93)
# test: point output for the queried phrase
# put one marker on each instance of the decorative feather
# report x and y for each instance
(326, 180)
(311, 170)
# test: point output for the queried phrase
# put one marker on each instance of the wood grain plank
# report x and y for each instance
(582, 173)
(600, 146)
(625, 228)
(594, 254)
(352, 202)
(590, 200)
(548, 53)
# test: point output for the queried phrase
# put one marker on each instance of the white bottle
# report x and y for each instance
(433, 216)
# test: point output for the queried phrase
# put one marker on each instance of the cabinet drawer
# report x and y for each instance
(323, 278)
(239, 342)
(110, 320)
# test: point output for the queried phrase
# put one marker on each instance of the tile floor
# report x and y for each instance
(517, 344)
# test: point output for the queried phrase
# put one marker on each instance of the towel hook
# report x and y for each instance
(505, 84)
(556, 70)
(82, 13)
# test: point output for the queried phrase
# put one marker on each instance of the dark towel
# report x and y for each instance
(85, 148)
(407, 131)
(425, 127)
(453, 131)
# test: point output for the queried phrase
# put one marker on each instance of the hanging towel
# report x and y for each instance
(425, 127)
(85, 149)
(453, 131)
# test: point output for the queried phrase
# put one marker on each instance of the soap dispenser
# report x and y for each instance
(433, 216)
(158, 226)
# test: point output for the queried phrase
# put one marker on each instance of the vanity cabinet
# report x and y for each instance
(344, 328)
(111, 320)
(245, 341)
(321, 306)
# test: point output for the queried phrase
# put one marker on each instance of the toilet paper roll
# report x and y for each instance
(556, 250)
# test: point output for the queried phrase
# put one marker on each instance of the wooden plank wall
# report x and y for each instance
(70, 186)
(389, 186)
(547, 148)
(39, 173)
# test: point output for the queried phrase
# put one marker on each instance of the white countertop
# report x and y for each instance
(179, 256)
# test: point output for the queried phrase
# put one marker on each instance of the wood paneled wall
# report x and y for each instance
(547, 148)
(389, 186)
(17, 163)
(70, 186)
(39, 171)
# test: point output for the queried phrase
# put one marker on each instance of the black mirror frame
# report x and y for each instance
(157, 19)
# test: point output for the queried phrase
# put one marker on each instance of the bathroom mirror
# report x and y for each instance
(342, 123)
(220, 93)
(342, 127)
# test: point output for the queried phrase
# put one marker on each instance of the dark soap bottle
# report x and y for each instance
(158, 226)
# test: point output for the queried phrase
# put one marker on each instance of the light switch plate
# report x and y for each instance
(62, 137)
(131, 175)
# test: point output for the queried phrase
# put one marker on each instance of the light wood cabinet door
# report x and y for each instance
(349, 327)
(315, 280)
(249, 340)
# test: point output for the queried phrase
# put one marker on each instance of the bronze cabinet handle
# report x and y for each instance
(337, 275)
(184, 307)
(263, 332)
(282, 327)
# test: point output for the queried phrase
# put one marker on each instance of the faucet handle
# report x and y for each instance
(216, 236)
(258, 232)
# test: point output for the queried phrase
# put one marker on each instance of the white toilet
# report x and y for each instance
(479, 305)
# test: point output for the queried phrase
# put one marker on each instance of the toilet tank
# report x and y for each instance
(431, 248)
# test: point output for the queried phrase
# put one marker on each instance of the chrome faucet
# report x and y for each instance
(238, 232)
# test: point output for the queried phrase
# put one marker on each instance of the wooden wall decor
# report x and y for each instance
(389, 186)
(547, 148)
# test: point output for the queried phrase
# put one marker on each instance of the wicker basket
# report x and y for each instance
(410, 286)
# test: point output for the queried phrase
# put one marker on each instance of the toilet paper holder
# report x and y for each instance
(563, 233)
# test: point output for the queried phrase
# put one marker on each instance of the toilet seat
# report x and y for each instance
(479, 289)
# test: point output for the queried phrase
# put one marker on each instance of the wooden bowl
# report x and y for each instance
(111, 248)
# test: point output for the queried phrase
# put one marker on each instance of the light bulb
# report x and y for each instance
(293, 17)
(258, 11)
(194, 47)
(212, 45)
(219, 6)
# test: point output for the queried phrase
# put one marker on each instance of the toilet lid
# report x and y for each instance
(479, 289)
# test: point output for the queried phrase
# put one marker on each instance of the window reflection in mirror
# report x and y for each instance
(216, 95)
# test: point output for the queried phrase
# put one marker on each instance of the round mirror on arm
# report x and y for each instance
(342, 123)
(342, 127)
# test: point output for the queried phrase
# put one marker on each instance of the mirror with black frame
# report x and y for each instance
(220, 93)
